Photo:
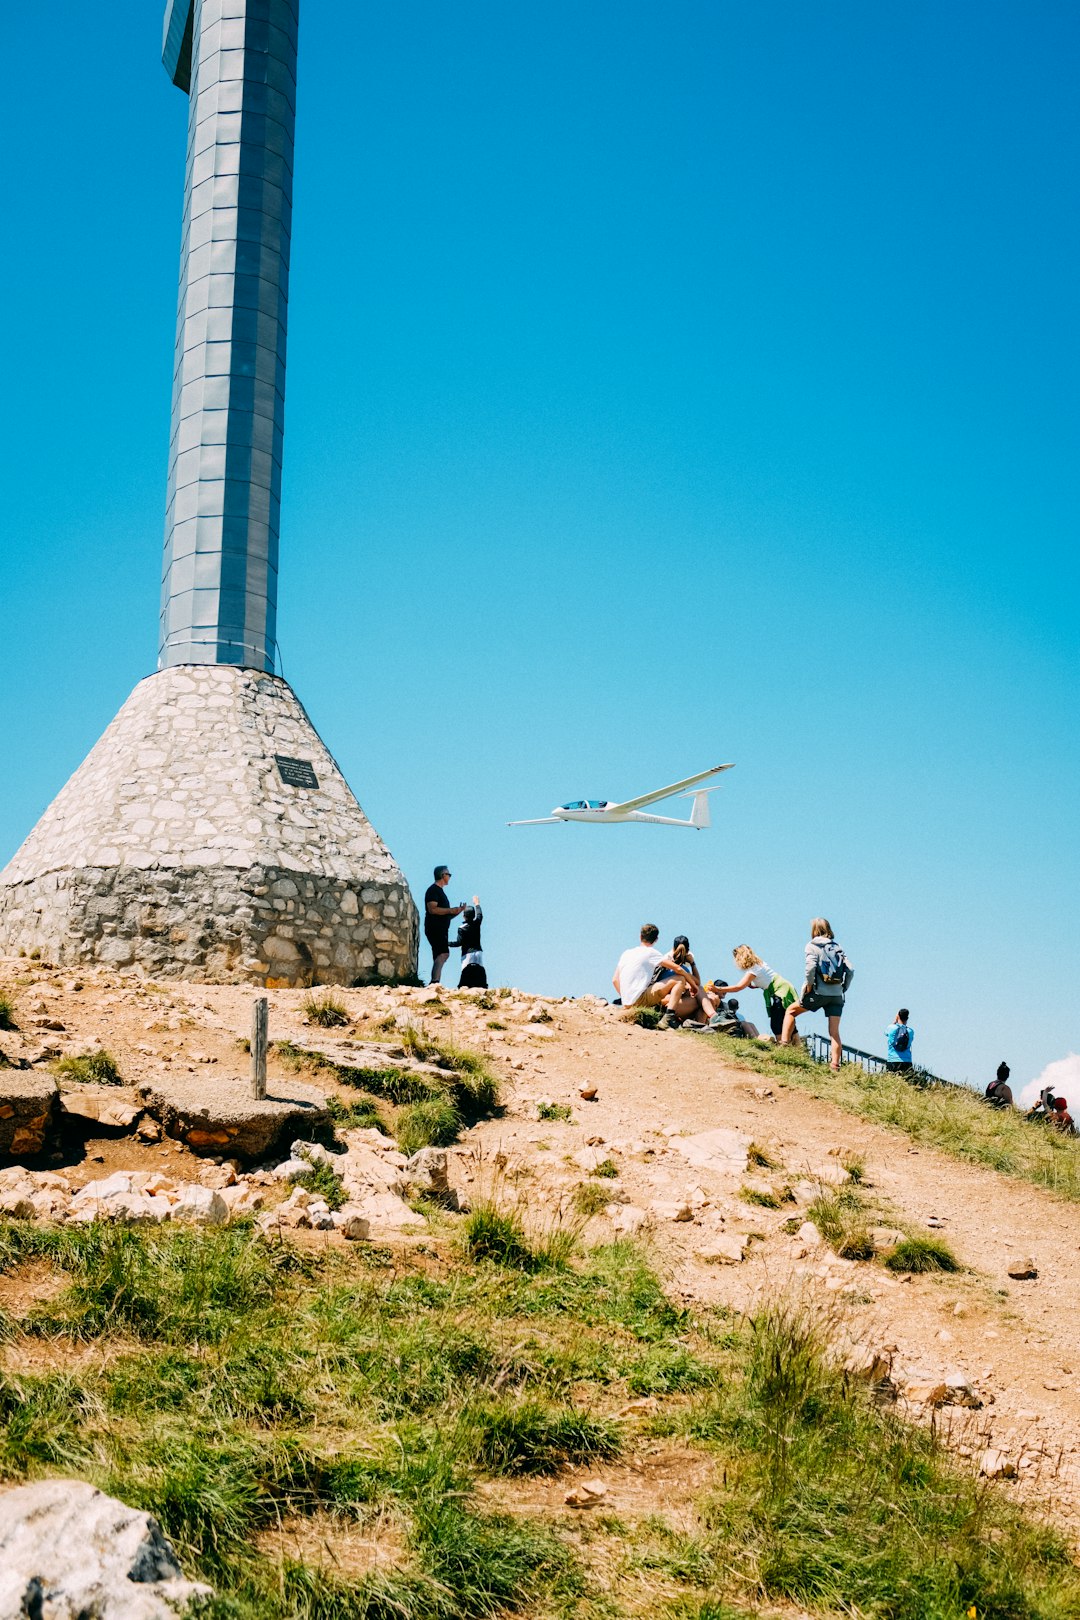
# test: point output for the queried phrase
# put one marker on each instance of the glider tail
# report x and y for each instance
(699, 814)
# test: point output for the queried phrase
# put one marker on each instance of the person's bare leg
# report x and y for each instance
(789, 1023)
(437, 966)
(836, 1051)
(751, 1029)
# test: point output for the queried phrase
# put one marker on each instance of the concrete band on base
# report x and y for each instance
(177, 848)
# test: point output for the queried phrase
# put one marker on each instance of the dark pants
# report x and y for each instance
(900, 1068)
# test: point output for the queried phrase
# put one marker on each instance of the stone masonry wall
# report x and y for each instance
(176, 847)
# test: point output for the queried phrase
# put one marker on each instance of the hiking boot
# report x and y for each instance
(668, 1021)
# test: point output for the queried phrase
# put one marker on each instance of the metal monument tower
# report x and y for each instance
(236, 60)
(210, 834)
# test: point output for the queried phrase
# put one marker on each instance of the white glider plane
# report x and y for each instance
(597, 811)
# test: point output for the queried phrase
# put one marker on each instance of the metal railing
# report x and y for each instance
(820, 1049)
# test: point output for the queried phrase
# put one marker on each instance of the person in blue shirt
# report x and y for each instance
(901, 1039)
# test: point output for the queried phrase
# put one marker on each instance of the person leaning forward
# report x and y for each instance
(437, 915)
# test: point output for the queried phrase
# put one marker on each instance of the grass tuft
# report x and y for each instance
(533, 1437)
(842, 1219)
(325, 1010)
(606, 1170)
(921, 1254)
(590, 1199)
(434, 1123)
(555, 1110)
(97, 1068)
(322, 1180)
(492, 1234)
(7, 1014)
(354, 1116)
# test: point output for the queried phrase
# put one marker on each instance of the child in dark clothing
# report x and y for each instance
(473, 973)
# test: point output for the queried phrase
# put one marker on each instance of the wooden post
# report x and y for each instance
(260, 1022)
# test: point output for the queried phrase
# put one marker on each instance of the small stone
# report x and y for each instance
(809, 1236)
(671, 1209)
(351, 1225)
(885, 1238)
(588, 1093)
(587, 1494)
(627, 1219)
(1022, 1270)
(722, 1251)
(995, 1465)
(926, 1394)
(201, 1206)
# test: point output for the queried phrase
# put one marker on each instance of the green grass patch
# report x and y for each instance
(606, 1170)
(556, 1111)
(7, 1014)
(644, 1017)
(434, 1123)
(533, 1437)
(325, 1010)
(951, 1118)
(322, 1180)
(353, 1116)
(843, 1220)
(97, 1068)
(589, 1199)
(922, 1254)
(468, 1081)
(236, 1386)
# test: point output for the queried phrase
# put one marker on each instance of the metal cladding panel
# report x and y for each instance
(219, 577)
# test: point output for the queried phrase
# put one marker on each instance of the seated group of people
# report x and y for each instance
(644, 977)
(1050, 1109)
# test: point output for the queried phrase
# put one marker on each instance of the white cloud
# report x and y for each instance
(1063, 1074)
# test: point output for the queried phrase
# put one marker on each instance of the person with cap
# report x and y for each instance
(1061, 1119)
(999, 1092)
(437, 915)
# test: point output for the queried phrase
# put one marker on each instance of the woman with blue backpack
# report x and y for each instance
(828, 974)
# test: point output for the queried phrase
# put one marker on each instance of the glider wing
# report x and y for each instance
(666, 793)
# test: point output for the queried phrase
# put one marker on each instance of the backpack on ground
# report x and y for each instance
(831, 962)
(902, 1039)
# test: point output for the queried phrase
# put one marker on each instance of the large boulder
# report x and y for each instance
(215, 1115)
(68, 1551)
(28, 1110)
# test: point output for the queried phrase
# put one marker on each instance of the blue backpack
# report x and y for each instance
(831, 962)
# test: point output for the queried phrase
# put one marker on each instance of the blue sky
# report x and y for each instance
(667, 384)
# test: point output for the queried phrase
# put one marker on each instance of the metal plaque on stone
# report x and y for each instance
(296, 772)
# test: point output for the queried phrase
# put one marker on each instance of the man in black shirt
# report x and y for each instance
(437, 915)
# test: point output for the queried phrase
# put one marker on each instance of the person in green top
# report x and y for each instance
(758, 975)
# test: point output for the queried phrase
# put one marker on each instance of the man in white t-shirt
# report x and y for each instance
(636, 987)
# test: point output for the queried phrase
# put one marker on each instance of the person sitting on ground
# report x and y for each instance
(1061, 1119)
(473, 972)
(727, 1020)
(999, 1092)
(758, 975)
(638, 984)
(828, 975)
(900, 1038)
(1041, 1110)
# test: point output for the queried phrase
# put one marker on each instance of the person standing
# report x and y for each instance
(437, 915)
(828, 974)
(473, 972)
(901, 1038)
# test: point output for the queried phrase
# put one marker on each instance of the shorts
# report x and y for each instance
(832, 1006)
(440, 945)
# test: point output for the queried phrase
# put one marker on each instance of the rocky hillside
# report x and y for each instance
(408, 1118)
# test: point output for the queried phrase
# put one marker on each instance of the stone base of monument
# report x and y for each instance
(211, 835)
(221, 1117)
(29, 1104)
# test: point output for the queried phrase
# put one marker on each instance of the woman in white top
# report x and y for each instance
(758, 975)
